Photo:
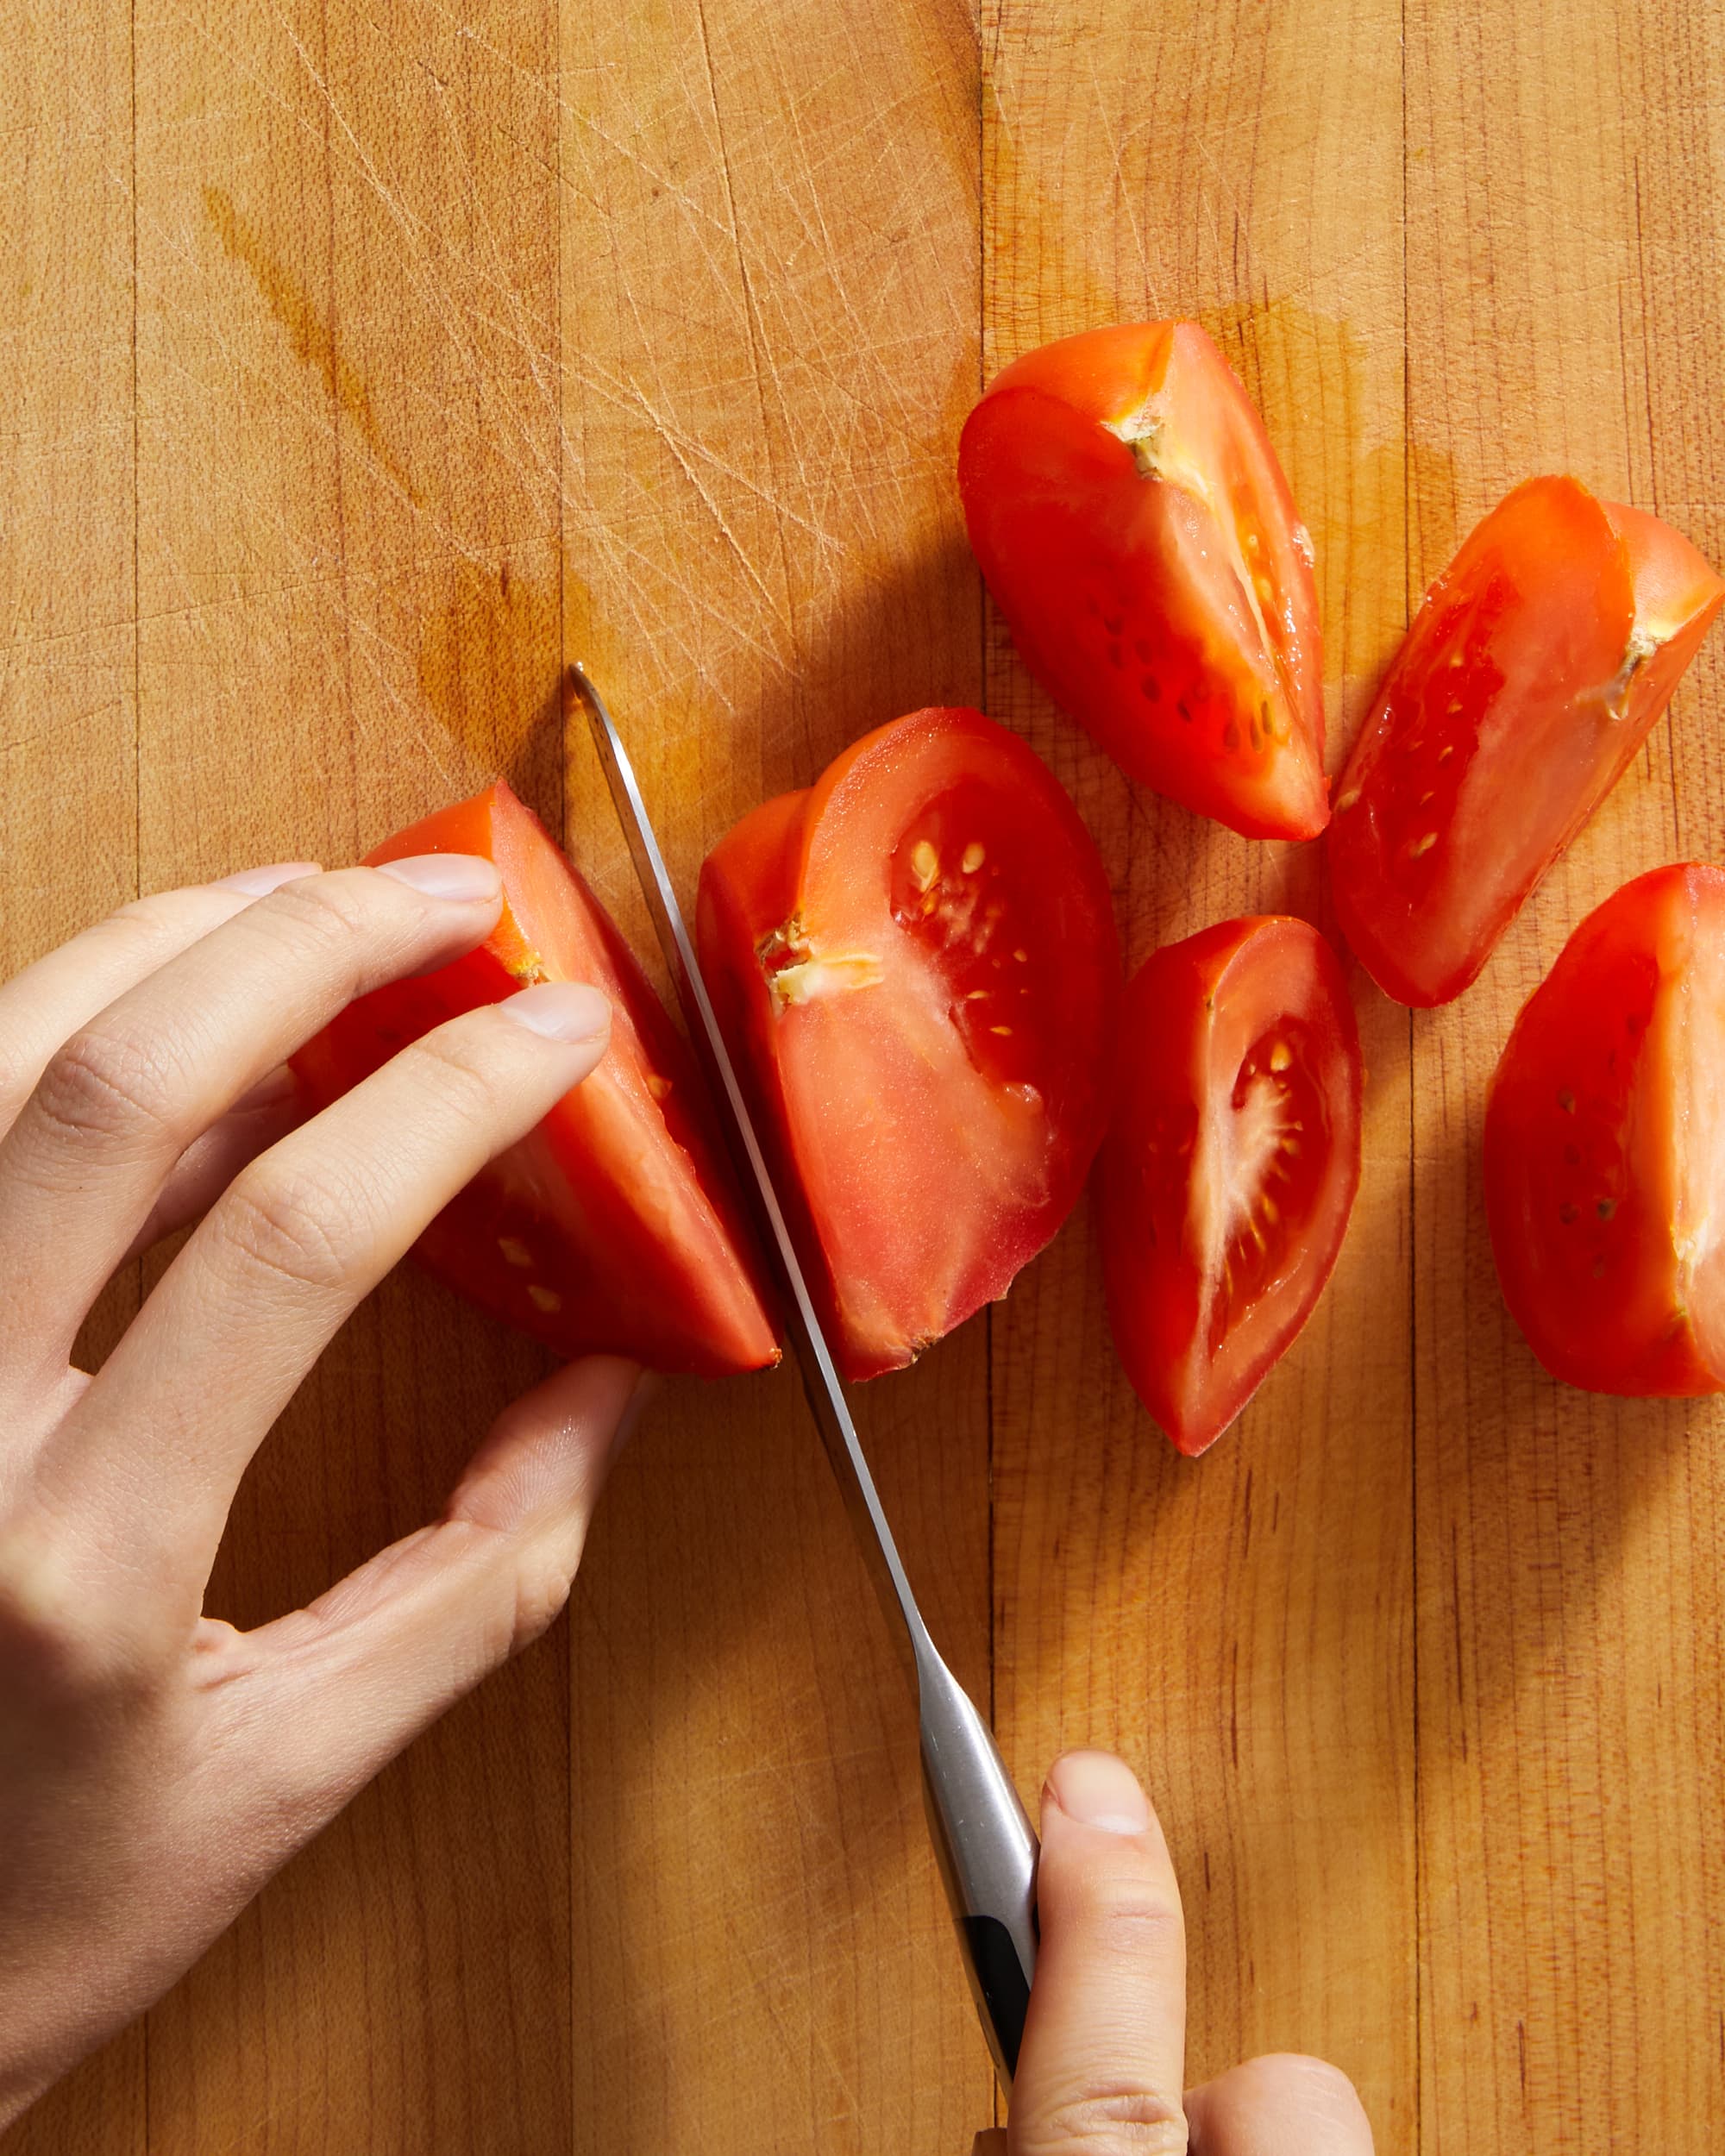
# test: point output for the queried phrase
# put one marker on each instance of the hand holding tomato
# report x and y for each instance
(160, 1766)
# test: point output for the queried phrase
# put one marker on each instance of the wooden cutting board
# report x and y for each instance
(362, 364)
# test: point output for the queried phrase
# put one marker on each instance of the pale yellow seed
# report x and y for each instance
(515, 1252)
(1002, 1030)
(924, 863)
(545, 1299)
(1291, 1145)
(659, 1088)
(1422, 845)
(1266, 590)
(973, 857)
(1251, 542)
(1280, 1056)
(1271, 1212)
(977, 995)
(1456, 658)
(1021, 958)
(1347, 800)
(1445, 753)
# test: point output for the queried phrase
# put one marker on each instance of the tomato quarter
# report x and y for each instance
(1137, 533)
(1532, 673)
(1224, 1185)
(615, 1224)
(1605, 1145)
(915, 965)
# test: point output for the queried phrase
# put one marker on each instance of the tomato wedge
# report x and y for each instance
(615, 1224)
(1605, 1145)
(915, 966)
(1138, 533)
(1534, 671)
(1224, 1185)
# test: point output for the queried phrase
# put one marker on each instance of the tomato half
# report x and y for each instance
(1224, 1185)
(1605, 1145)
(1138, 533)
(615, 1224)
(1532, 673)
(915, 965)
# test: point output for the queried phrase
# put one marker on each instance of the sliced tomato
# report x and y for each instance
(1139, 535)
(1224, 1185)
(1534, 671)
(1605, 1145)
(615, 1224)
(915, 965)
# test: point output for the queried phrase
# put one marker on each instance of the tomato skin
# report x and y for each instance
(1163, 594)
(615, 1224)
(1223, 1038)
(1604, 1140)
(1536, 667)
(924, 1036)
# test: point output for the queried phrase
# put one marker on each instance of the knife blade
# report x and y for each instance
(984, 1844)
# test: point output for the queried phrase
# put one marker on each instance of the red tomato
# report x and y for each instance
(915, 965)
(1224, 1185)
(1531, 675)
(1137, 531)
(614, 1225)
(1605, 1145)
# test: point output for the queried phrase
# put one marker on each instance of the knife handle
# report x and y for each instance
(987, 1851)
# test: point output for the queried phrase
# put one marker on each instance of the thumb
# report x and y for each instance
(1101, 2071)
(350, 1680)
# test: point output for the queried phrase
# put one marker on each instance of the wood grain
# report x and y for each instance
(361, 365)
(770, 336)
(1241, 1629)
(68, 613)
(1569, 1585)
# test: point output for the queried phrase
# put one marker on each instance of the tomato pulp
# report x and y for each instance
(1137, 533)
(1605, 1145)
(1534, 670)
(1224, 1185)
(615, 1224)
(914, 963)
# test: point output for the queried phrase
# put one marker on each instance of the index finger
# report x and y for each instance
(1105, 2040)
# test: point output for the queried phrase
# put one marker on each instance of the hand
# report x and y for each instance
(1105, 2044)
(159, 1765)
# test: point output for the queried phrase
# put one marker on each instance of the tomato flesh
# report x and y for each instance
(1605, 1146)
(1534, 670)
(1139, 537)
(1224, 1185)
(914, 963)
(615, 1224)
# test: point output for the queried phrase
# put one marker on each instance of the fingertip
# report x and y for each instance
(548, 1453)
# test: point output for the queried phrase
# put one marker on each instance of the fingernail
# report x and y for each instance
(561, 1011)
(1097, 1789)
(463, 877)
(258, 883)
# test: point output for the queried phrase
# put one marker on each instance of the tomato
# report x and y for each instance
(615, 1224)
(1605, 1145)
(1532, 673)
(1224, 1185)
(915, 965)
(1139, 535)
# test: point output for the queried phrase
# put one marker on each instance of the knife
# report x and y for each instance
(984, 1843)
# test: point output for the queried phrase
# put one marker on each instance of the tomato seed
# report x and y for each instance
(545, 1299)
(972, 858)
